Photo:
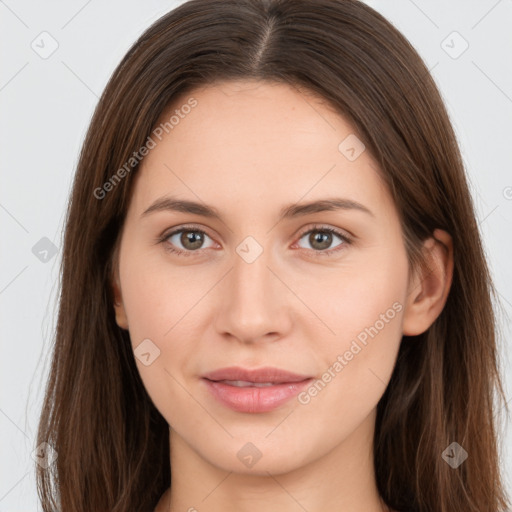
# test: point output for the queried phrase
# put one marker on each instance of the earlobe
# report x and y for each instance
(430, 286)
(121, 318)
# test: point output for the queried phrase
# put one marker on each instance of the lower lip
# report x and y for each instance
(253, 399)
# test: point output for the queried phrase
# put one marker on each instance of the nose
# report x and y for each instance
(253, 303)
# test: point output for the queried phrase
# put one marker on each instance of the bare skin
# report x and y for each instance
(248, 149)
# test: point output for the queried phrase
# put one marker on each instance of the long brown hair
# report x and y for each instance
(111, 441)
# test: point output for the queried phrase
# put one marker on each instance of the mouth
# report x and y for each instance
(245, 384)
(254, 391)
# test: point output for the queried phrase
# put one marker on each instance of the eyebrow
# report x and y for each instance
(168, 203)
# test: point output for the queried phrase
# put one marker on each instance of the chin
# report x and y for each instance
(257, 459)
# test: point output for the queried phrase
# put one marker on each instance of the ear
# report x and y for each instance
(429, 288)
(121, 318)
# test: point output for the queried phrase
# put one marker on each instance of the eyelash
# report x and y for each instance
(321, 229)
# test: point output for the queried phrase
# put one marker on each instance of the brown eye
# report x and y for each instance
(191, 240)
(321, 240)
(187, 240)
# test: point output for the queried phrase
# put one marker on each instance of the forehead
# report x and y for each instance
(248, 140)
(250, 114)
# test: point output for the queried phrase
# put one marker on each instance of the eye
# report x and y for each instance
(185, 240)
(188, 240)
(321, 238)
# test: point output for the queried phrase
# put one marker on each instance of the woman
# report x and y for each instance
(274, 292)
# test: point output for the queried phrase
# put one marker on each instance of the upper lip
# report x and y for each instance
(266, 374)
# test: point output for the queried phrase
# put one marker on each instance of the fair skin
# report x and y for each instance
(248, 149)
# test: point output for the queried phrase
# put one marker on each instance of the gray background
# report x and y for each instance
(46, 105)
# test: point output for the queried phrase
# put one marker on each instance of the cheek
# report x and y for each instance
(158, 296)
(371, 312)
(363, 297)
(161, 304)
(357, 369)
(364, 309)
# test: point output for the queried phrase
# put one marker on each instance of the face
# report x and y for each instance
(262, 282)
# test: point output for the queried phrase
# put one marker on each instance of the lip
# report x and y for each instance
(284, 386)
